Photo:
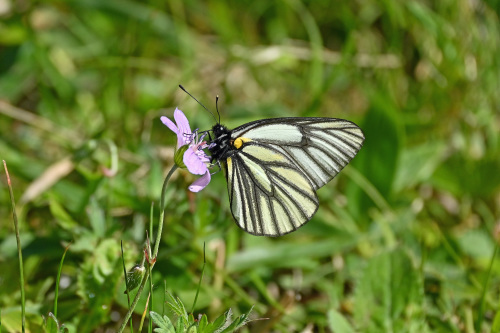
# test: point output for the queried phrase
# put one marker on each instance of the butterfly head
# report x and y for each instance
(219, 130)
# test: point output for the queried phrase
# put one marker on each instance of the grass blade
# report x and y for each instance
(482, 302)
(19, 252)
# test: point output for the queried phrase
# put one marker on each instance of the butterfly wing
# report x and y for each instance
(268, 195)
(277, 164)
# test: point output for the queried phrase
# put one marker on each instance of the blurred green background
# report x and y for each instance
(404, 239)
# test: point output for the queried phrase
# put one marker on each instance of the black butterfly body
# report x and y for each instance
(273, 168)
(220, 148)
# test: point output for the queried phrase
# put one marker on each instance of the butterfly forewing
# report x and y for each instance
(275, 166)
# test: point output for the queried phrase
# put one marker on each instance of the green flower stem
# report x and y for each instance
(157, 243)
(151, 217)
(162, 210)
(150, 303)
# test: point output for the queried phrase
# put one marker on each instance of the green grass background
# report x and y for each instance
(404, 238)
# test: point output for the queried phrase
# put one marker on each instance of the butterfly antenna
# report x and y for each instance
(180, 86)
(217, 107)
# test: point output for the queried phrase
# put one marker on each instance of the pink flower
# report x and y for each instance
(193, 156)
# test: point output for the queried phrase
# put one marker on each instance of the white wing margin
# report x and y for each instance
(278, 165)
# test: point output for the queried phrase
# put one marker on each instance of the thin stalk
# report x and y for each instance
(144, 313)
(201, 278)
(162, 210)
(151, 215)
(56, 293)
(126, 285)
(19, 251)
(482, 303)
(158, 238)
(164, 300)
(150, 325)
(150, 298)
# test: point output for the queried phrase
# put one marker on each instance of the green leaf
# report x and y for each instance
(97, 218)
(338, 323)
(164, 324)
(62, 217)
(495, 328)
(389, 295)
(180, 324)
(477, 244)
(192, 328)
(178, 307)
(425, 16)
(460, 175)
(273, 254)
(227, 316)
(378, 158)
(238, 323)
(217, 324)
(97, 282)
(203, 325)
(417, 164)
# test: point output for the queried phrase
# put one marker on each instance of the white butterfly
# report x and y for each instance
(274, 167)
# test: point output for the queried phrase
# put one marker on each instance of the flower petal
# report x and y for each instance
(169, 123)
(181, 139)
(200, 183)
(193, 163)
(183, 127)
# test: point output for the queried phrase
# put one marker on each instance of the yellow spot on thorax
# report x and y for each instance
(238, 142)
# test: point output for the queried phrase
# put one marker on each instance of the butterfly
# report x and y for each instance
(273, 168)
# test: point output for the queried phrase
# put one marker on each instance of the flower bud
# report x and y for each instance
(134, 277)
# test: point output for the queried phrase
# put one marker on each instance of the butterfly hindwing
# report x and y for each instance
(275, 166)
(268, 195)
